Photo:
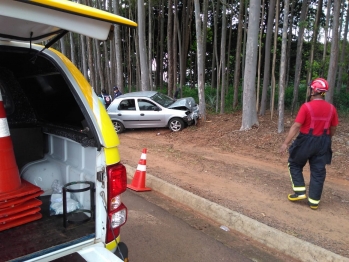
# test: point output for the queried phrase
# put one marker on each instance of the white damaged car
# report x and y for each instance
(150, 109)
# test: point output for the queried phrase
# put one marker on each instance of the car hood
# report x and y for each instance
(187, 102)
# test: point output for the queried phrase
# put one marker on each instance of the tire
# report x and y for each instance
(118, 126)
(176, 124)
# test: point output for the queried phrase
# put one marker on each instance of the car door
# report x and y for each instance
(126, 112)
(150, 114)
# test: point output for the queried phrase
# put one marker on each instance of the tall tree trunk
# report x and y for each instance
(249, 112)
(106, 65)
(344, 52)
(162, 36)
(297, 76)
(274, 60)
(186, 29)
(99, 66)
(200, 59)
(174, 46)
(83, 56)
(72, 48)
(260, 55)
(237, 70)
(150, 44)
(214, 46)
(142, 47)
(282, 81)
(324, 55)
(267, 54)
(289, 41)
(170, 77)
(332, 72)
(118, 51)
(90, 62)
(313, 41)
(62, 43)
(223, 54)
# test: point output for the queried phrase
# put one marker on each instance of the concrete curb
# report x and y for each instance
(260, 232)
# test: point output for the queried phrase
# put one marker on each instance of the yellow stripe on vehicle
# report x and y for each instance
(83, 10)
(112, 245)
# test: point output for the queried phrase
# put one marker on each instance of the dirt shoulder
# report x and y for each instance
(243, 171)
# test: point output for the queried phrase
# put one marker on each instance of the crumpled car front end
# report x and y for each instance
(192, 109)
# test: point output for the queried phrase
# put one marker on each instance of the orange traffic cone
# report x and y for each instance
(138, 181)
(13, 190)
(9, 174)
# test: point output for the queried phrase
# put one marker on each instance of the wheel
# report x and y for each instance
(122, 252)
(118, 126)
(176, 124)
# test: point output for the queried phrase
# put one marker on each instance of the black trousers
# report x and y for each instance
(316, 150)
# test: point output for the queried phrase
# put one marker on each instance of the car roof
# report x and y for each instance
(139, 94)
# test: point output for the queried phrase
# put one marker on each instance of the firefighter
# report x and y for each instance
(315, 125)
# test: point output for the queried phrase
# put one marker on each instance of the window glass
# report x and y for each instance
(145, 105)
(127, 104)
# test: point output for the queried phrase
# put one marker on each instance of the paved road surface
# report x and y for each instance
(159, 229)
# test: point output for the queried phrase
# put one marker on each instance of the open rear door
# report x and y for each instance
(39, 20)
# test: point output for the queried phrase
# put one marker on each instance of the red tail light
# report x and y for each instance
(117, 211)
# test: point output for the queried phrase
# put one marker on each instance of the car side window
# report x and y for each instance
(127, 104)
(145, 105)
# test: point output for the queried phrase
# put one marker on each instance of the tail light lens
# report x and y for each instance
(117, 211)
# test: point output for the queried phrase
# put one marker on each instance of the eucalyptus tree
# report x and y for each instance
(237, 70)
(283, 64)
(299, 51)
(142, 48)
(313, 44)
(324, 54)
(249, 112)
(332, 72)
(170, 65)
(223, 54)
(267, 55)
(343, 50)
(118, 51)
(200, 58)
(273, 82)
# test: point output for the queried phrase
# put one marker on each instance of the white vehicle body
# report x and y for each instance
(70, 140)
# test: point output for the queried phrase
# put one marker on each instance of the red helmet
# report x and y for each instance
(319, 85)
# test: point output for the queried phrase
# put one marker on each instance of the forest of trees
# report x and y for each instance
(244, 55)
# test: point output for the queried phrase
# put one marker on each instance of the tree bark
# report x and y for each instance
(331, 76)
(267, 55)
(249, 112)
(297, 76)
(282, 80)
(200, 59)
(223, 54)
(237, 71)
(170, 77)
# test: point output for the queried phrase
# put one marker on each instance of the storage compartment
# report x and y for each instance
(46, 117)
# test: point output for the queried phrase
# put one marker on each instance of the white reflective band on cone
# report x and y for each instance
(141, 167)
(4, 130)
(144, 156)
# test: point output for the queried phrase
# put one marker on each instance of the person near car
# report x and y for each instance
(107, 98)
(315, 124)
(117, 92)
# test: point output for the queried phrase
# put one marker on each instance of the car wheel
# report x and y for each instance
(176, 124)
(118, 126)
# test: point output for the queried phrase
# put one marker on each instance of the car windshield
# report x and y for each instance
(162, 99)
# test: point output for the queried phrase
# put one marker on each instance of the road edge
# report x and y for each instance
(264, 234)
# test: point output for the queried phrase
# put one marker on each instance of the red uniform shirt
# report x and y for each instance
(321, 108)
